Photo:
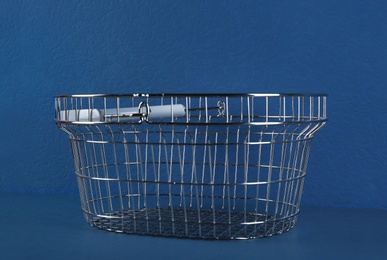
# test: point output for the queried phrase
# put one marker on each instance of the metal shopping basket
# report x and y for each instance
(211, 166)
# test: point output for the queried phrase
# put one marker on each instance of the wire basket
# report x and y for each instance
(210, 166)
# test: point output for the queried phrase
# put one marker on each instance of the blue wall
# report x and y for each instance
(50, 47)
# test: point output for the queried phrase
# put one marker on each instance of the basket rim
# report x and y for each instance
(305, 122)
(194, 95)
(302, 120)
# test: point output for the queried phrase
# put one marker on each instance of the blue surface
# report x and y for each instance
(50, 47)
(52, 227)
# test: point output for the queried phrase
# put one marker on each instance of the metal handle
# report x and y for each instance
(144, 112)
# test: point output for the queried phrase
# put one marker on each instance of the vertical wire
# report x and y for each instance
(94, 164)
(206, 109)
(279, 108)
(193, 171)
(182, 193)
(248, 109)
(83, 164)
(62, 106)
(86, 147)
(296, 184)
(288, 182)
(172, 118)
(145, 177)
(227, 179)
(284, 108)
(310, 108)
(187, 105)
(89, 109)
(195, 181)
(136, 178)
(225, 172)
(155, 179)
(117, 169)
(80, 167)
(200, 111)
(288, 172)
(158, 173)
(301, 170)
(267, 108)
(299, 183)
(213, 178)
(159, 176)
(247, 161)
(180, 152)
(319, 108)
(252, 108)
(293, 111)
(78, 159)
(76, 107)
(259, 164)
(128, 173)
(246, 171)
(118, 109)
(96, 172)
(204, 166)
(105, 163)
(292, 139)
(227, 114)
(236, 167)
(298, 108)
(170, 178)
(57, 109)
(292, 176)
(241, 108)
(285, 141)
(78, 171)
(104, 107)
(305, 164)
(281, 169)
(211, 185)
(272, 148)
(106, 173)
(139, 167)
(324, 107)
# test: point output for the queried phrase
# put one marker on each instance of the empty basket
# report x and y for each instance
(211, 166)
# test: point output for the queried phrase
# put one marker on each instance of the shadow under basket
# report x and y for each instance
(211, 166)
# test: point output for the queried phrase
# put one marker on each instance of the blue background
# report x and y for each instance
(51, 47)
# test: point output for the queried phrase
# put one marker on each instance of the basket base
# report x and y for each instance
(185, 224)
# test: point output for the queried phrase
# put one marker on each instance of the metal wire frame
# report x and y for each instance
(231, 168)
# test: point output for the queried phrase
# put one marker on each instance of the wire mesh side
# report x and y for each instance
(191, 181)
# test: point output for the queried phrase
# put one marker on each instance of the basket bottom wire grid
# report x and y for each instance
(156, 222)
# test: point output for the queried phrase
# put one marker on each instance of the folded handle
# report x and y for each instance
(124, 114)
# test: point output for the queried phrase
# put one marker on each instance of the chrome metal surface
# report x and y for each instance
(218, 166)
